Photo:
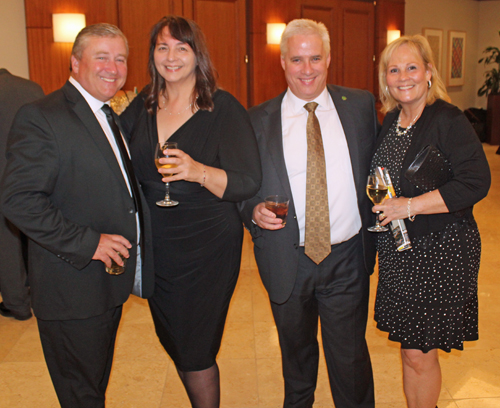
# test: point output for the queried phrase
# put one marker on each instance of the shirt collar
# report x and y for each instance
(296, 104)
(95, 104)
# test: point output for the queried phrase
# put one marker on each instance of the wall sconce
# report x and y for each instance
(393, 35)
(274, 32)
(67, 26)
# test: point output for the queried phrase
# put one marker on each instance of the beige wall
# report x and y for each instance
(13, 47)
(459, 15)
(481, 22)
(489, 26)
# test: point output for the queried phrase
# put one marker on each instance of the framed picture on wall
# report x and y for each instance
(435, 38)
(455, 74)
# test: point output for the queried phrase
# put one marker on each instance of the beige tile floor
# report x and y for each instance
(144, 377)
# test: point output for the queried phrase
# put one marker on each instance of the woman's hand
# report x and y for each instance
(186, 169)
(392, 209)
(399, 208)
(213, 179)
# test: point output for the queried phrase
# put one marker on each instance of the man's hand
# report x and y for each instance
(108, 248)
(265, 218)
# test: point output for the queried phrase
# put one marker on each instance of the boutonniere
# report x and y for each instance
(344, 98)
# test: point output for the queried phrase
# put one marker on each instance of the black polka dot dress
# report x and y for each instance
(427, 295)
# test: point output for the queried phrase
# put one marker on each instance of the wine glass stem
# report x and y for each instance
(167, 193)
(377, 220)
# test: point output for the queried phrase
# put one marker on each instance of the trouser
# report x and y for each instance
(79, 355)
(337, 292)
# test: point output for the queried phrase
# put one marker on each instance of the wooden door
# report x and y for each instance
(136, 23)
(351, 24)
(224, 24)
(327, 12)
(357, 47)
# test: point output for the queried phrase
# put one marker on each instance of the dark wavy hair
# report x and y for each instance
(186, 31)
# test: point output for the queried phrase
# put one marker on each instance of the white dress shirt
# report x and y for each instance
(345, 221)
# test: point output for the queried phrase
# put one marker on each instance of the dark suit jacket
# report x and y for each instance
(14, 93)
(63, 187)
(277, 252)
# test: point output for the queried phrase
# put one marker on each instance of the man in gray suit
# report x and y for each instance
(316, 143)
(14, 93)
(69, 186)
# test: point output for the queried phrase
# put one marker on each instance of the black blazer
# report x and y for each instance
(277, 252)
(445, 126)
(63, 187)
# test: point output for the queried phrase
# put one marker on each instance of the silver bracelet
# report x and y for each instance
(204, 176)
(410, 217)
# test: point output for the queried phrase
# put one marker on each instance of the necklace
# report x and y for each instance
(400, 132)
(177, 113)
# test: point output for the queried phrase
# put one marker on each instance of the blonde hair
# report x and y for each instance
(420, 47)
(304, 26)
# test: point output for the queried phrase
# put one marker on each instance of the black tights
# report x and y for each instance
(202, 387)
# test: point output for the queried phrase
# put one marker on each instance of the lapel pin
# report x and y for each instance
(344, 98)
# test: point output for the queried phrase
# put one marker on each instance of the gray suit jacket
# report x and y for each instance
(63, 187)
(277, 252)
(14, 93)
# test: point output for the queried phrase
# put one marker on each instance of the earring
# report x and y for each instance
(429, 83)
(386, 89)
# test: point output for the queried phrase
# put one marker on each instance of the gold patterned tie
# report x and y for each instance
(317, 236)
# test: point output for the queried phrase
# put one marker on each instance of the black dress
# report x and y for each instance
(427, 295)
(197, 244)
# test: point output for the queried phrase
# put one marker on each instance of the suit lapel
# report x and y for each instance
(348, 120)
(274, 134)
(95, 132)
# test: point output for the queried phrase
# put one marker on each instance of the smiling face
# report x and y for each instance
(306, 66)
(407, 77)
(102, 69)
(174, 60)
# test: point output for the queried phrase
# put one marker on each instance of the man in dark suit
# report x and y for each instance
(14, 93)
(316, 143)
(69, 186)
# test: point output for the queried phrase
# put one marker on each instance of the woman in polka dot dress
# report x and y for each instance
(427, 295)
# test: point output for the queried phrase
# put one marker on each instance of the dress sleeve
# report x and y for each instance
(238, 152)
(471, 174)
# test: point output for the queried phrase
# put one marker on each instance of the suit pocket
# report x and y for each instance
(258, 241)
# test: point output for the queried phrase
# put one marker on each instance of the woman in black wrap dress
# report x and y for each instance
(197, 244)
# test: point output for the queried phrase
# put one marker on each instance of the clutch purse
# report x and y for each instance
(430, 169)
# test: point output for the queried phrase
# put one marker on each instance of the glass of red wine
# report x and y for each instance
(278, 204)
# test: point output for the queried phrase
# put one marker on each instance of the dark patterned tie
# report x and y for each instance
(317, 236)
(127, 163)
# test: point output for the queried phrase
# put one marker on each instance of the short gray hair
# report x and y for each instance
(95, 30)
(304, 27)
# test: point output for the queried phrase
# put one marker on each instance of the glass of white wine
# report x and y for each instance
(159, 153)
(377, 192)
